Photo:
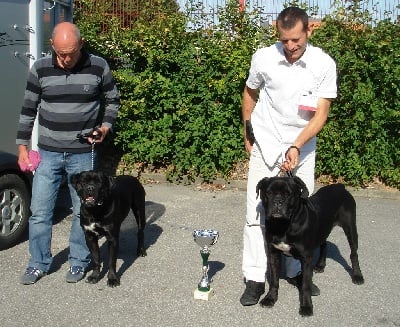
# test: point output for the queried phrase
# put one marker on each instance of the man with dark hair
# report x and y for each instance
(286, 101)
(65, 91)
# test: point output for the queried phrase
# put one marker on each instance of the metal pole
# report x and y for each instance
(241, 5)
(35, 47)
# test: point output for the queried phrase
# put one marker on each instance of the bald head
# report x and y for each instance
(67, 44)
(66, 30)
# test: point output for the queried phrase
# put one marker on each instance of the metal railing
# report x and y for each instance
(269, 9)
(128, 10)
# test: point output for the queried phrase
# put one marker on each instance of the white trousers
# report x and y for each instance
(254, 264)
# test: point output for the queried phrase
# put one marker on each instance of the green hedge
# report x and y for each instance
(361, 140)
(181, 91)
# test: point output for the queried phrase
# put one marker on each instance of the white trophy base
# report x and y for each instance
(201, 295)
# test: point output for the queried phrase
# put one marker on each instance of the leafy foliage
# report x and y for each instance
(361, 139)
(181, 78)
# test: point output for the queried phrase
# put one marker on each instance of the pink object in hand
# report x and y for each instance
(34, 158)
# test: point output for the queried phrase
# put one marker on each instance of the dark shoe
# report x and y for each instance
(31, 276)
(75, 274)
(298, 280)
(252, 293)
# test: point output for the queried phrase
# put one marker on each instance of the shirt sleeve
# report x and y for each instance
(29, 107)
(112, 98)
(255, 79)
(328, 86)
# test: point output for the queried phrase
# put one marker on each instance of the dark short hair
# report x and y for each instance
(289, 17)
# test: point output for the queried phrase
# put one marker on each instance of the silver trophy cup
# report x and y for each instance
(205, 239)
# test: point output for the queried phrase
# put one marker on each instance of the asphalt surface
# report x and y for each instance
(158, 290)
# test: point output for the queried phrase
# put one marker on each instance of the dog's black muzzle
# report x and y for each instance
(90, 196)
(278, 208)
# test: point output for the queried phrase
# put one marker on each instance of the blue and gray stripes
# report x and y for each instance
(67, 102)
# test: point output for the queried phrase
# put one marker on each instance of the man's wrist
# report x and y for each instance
(293, 147)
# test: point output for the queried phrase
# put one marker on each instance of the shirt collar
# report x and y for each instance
(283, 61)
(84, 60)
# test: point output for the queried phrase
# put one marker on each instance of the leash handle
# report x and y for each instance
(91, 134)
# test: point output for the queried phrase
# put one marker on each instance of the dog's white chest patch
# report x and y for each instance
(91, 228)
(285, 248)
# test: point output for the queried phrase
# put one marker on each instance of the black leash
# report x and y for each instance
(289, 173)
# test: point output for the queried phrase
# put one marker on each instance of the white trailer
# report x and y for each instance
(25, 28)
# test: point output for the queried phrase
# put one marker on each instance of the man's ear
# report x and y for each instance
(309, 30)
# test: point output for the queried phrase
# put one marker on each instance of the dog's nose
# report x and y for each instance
(278, 203)
(90, 188)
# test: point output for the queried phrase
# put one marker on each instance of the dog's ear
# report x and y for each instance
(303, 188)
(75, 179)
(111, 181)
(261, 184)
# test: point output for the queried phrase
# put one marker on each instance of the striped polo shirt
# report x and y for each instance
(67, 102)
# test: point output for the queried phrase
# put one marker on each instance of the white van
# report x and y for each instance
(25, 28)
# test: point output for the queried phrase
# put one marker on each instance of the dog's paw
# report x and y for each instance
(141, 252)
(267, 302)
(306, 311)
(113, 282)
(319, 269)
(357, 279)
(92, 279)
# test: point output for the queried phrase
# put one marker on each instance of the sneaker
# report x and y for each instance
(75, 274)
(31, 276)
(298, 280)
(252, 293)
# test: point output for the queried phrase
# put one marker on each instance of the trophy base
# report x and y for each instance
(201, 295)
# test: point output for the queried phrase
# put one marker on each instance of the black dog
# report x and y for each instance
(105, 203)
(296, 225)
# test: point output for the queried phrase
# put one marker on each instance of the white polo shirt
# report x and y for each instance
(277, 118)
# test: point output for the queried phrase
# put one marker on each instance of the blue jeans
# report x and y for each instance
(46, 183)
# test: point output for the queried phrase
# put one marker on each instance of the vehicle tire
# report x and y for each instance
(14, 209)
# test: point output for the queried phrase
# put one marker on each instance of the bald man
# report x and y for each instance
(65, 90)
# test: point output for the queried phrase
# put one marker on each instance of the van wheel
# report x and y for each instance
(14, 209)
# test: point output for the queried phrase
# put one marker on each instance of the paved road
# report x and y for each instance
(158, 290)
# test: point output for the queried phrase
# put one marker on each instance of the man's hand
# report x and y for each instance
(98, 134)
(247, 145)
(291, 158)
(23, 156)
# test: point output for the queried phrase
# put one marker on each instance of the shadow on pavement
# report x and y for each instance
(334, 254)
(215, 267)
